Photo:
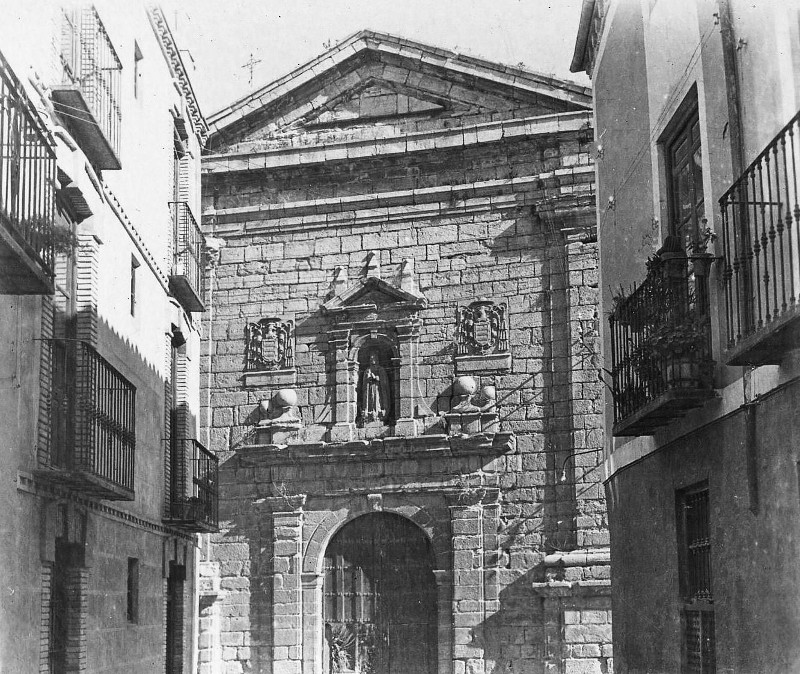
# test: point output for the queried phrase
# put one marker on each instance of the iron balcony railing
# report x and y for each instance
(27, 172)
(188, 265)
(90, 62)
(661, 346)
(194, 495)
(92, 422)
(761, 241)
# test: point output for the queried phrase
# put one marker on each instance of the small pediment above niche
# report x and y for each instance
(372, 294)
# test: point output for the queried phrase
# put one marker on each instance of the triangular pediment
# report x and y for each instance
(373, 78)
(377, 100)
(373, 293)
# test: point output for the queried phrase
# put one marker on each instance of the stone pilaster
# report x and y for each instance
(311, 584)
(287, 630)
(444, 606)
(209, 646)
(407, 337)
(474, 517)
(468, 581)
(344, 401)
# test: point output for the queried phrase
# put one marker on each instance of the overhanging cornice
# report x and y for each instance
(173, 56)
(565, 196)
(420, 141)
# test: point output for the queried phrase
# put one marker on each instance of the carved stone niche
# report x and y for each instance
(374, 339)
(472, 411)
(482, 337)
(269, 353)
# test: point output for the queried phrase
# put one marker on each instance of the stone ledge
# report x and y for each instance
(491, 362)
(419, 202)
(402, 143)
(579, 588)
(588, 557)
(269, 378)
(383, 449)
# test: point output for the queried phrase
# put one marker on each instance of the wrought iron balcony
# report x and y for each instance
(761, 239)
(88, 98)
(188, 271)
(27, 192)
(661, 346)
(194, 497)
(92, 423)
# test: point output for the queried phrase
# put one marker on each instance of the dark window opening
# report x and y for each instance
(59, 613)
(694, 553)
(175, 634)
(133, 590)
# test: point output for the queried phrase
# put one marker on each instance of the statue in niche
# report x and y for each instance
(373, 399)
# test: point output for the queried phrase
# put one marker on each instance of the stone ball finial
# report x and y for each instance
(464, 386)
(285, 397)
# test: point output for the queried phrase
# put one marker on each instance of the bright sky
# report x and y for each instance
(221, 35)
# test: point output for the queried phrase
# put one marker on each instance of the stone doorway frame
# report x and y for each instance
(435, 530)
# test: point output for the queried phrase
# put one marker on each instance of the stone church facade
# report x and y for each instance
(401, 369)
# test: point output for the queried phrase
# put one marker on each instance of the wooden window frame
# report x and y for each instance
(681, 127)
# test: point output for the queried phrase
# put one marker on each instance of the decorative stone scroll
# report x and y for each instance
(279, 419)
(482, 337)
(269, 353)
(472, 413)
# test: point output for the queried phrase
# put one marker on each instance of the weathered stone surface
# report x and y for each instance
(473, 217)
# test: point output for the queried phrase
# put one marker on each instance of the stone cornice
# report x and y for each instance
(402, 143)
(379, 449)
(566, 195)
(171, 52)
(580, 588)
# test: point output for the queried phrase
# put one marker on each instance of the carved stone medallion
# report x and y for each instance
(270, 345)
(482, 328)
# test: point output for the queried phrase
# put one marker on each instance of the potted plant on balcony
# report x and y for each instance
(697, 248)
(681, 347)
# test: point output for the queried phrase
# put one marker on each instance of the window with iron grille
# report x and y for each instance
(91, 66)
(694, 551)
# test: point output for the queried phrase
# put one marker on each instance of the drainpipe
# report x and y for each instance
(214, 247)
(732, 93)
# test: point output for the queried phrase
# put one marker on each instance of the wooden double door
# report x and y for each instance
(379, 611)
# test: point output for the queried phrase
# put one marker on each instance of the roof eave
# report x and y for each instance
(578, 64)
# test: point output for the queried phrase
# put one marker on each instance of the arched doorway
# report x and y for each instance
(379, 608)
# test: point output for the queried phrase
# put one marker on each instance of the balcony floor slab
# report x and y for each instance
(659, 412)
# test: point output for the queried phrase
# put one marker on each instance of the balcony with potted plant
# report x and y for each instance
(661, 344)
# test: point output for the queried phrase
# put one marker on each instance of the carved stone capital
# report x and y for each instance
(471, 496)
(289, 503)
